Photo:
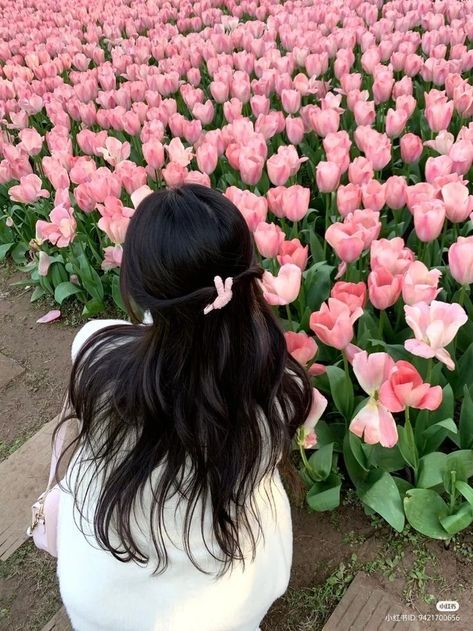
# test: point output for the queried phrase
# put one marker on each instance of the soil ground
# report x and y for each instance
(329, 548)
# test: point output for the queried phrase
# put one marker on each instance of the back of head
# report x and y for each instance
(211, 398)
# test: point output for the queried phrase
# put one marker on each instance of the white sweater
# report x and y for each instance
(101, 593)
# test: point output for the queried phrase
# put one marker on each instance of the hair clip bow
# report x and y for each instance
(224, 294)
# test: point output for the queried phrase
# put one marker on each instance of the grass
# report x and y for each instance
(28, 577)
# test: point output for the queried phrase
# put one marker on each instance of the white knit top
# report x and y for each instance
(101, 593)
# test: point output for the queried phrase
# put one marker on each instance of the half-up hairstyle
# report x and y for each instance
(213, 400)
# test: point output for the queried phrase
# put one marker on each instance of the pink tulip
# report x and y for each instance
(390, 254)
(295, 130)
(324, 122)
(460, 260)
(327, 175)
(384, 288)
(354, 235)
(395, 189)
(396, 121)
(293, 252)
(251, 165)
(375, 424)
(352, 294)
(319, 403)
(178, 153)
(112, 257)
(302, 347)
(268, 239)
(405, 389)
(295, 202)
(291, 101)
(373, 194)
(434, 327)
(283, 288)
(372, 370)
(274, 197)
(153, 153)
(360, 171)
(278, 169)
(443, 142)
(333, 323)
(437, 167)
(458, 202)
(348, 198)
(254, 208)
(364, 112)
(411, 148)
(439, 115)
(174, 174)
(139, 195)
(62, 229)
(429, 217)
(28, 190)
(114, 151)
(420, 284)
(31, 141)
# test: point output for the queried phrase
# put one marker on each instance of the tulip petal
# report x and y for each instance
(387, 428)
(432, 399)
(49, 317)
(388, 398)
(421, 349)
(444, 356)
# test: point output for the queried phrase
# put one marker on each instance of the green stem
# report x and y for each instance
(289, 317)
(461, 298)
(453, 494)
(411, 442)
(429, 370)
(304, 459)
(345, 366)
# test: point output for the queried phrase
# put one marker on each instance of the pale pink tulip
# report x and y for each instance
(395, 189)
(458, 202)
(283, 288)
(460, 260)
(429, 217)
(411, 148)
(28, 190)
(60, 231)
(348, 198)
(419, 284)
(434, 327)
(112, 257)
(327, 175)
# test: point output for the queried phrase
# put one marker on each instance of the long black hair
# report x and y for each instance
(212, 400)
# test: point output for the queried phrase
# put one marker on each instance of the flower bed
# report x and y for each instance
(342, 132)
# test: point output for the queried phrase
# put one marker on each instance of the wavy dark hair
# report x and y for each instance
(212, 400)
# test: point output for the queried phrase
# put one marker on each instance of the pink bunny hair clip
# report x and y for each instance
(224, 294)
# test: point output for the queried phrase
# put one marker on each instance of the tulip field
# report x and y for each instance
(343, 132)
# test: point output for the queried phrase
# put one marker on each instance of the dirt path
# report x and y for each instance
(42, 351)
